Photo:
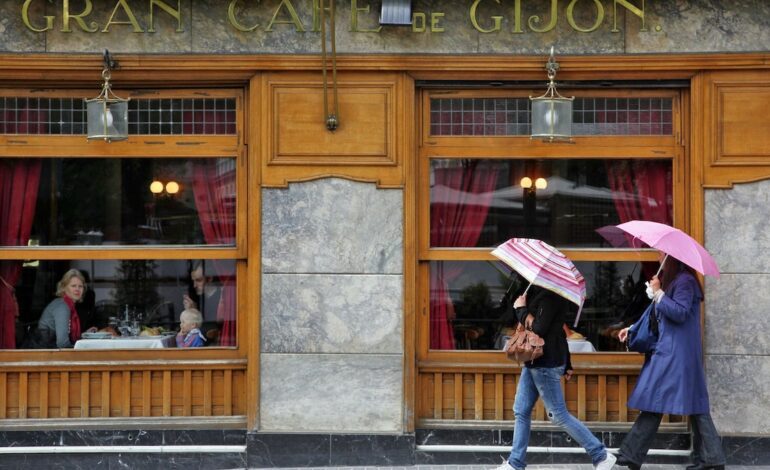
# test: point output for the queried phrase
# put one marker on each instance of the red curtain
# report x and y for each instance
(641, 190)
(214, 190)
(460, 201)
(19, 181)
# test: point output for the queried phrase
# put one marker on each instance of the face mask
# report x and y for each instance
(650, 293)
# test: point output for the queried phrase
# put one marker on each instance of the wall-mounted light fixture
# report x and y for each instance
(332, 119)
(551, 112)
(396, 12)
(107, 113)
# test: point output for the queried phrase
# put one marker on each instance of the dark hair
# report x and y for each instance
(671, 269)
(199, 264)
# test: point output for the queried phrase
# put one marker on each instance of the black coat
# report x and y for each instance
(550, 312)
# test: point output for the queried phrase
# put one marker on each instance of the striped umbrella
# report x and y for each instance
(545, 266)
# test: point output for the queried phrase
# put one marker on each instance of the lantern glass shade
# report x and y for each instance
(552, 118)
(107, 119)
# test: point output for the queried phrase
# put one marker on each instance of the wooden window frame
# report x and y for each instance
(521, 147)
(142, 146)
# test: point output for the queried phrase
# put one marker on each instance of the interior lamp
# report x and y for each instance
(107, 113)
(552, 112)
(172, 187)
(156, 187)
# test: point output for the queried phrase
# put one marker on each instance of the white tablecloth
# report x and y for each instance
(139, 342)
(580, 345)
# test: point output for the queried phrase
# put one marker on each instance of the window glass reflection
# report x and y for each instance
(147, 296)
(471, 304)
(99, 201)
(477, 203)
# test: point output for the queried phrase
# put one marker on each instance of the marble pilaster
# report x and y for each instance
(740, 397)
(331, 393)
(737, 227)
(332, 313)
(332, 226)
(737, 314)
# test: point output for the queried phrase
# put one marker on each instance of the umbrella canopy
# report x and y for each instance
(673, 242)
(618, 238)
(545, 266)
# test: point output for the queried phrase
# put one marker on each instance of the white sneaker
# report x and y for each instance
(505, 466)
(607, 463)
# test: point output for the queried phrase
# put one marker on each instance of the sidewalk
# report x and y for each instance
(529, 467)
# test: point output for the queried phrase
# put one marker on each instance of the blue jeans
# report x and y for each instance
(545, 382)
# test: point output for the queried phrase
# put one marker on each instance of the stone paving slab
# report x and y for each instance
(529, 467)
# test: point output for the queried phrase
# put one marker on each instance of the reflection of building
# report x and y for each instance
(332, 238)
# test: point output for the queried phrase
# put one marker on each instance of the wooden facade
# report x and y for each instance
(279, 142)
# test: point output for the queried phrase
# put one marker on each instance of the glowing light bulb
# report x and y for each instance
(108, 117)
(526, 182)
(541, 183)
(551, 117)
(156, 187)
(172, 187)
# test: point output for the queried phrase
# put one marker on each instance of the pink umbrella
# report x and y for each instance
(673, 242)
(545, 266)
(618, 238)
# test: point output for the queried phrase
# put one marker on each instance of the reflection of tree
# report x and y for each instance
(475, 301)
(136, 286)
(81, 181)
(606, 288)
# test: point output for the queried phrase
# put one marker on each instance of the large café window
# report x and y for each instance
(481, 193)
(121, 221)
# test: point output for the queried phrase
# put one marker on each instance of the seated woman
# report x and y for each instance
(59, 325)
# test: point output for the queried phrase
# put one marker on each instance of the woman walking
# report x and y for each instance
(542, 378)
(672, 379)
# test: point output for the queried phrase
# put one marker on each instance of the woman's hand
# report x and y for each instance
(528, 321)
(521, 301)
(655, 284)
(623, 335)
(568, 374)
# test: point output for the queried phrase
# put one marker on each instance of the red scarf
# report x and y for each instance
(74, 319)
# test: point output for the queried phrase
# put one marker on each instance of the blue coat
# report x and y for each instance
(672, 379)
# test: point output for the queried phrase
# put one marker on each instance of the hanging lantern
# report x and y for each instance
(107, 113)
(551, 112)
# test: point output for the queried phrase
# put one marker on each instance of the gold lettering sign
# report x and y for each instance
(124, 13)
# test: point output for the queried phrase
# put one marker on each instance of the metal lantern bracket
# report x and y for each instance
(109, 62)
(107, 113)
(552, 112)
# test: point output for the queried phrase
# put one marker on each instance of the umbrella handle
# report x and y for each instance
(527, 289)
(661, 265)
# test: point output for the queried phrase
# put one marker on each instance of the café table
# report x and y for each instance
(131, 342)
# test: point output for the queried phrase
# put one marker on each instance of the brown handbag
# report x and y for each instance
(525, 345)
